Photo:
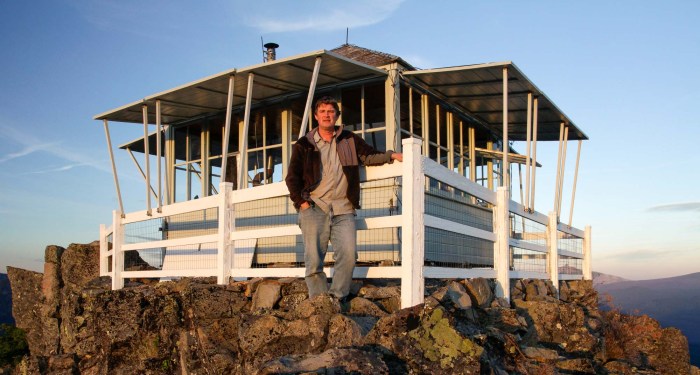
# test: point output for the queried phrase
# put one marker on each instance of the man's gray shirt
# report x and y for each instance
(331, 193)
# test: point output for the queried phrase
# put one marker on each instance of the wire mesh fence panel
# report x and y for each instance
(184, 225)
(379, 246)
(109, 263)
(449, 249)
(570, 266)
(569, 242)
(110, 241)
(526, 230)
(527, 260)
(380, 198)
(265, 213)
(446, 202)
(281, 251)
(185, 257)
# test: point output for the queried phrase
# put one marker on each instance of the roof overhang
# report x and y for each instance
(272, 79)
(478, 89)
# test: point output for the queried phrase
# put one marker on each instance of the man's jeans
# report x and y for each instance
(317, 228)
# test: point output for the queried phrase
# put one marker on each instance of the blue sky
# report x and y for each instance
(625, 72)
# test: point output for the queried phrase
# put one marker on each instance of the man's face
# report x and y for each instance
(326, 116)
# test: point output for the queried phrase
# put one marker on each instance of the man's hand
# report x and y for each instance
(304, 206)
(397, 156)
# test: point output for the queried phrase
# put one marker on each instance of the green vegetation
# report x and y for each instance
(13, 345)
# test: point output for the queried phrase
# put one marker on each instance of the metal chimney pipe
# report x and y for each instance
(271, 53)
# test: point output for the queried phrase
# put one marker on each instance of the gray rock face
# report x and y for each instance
(480, 290)
(75, 324)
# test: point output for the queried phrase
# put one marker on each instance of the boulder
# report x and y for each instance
(480, 290)
(266, 295)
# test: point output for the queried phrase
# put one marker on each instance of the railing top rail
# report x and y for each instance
(571, 230)
(432, 169)
(277, 189)
(173, 209)
(519, 209)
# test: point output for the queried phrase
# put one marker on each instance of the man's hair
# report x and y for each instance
(327, 100)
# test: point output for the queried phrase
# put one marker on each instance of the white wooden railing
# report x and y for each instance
(229, 251)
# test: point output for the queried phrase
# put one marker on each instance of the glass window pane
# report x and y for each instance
(180, 184)
(432, 121)
(274, 165)
(255, 130)
(376, 139)
(195, 141)
(351, 109)
(195, 180)
(374, 106)
(273, 126)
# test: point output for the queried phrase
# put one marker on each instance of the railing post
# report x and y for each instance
(117, 254)
(587, 265)
(412, 228)
(553, 247)
(501, 253)
(223, 254)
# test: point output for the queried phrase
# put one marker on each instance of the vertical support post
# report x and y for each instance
(144, 111)
(412, 228)
(563, 169)
(556, 183)
(573, 191)
(461, 149)
(362, 112)
(160, 162)
(501, 254)
(227, 126)
(114, 168)
(489, 167)
(286, 142)
(472, 154)
(528, 137)
(410, 110)
(310, 97)
(438, 125)
(534, 154)
(392, 95)
(117, 254)
(505, 169)
(450, 142)
(169, 164)
(587, 254)
(425, 124)
(226, 221)
(243, 154)
(553, 247)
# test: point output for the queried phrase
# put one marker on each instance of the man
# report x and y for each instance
(324, 184)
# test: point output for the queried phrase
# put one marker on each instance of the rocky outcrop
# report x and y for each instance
(75, 324)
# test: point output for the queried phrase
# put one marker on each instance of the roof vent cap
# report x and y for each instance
(270, 52)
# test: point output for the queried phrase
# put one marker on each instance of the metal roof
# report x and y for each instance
(479, 90)
(272, 79)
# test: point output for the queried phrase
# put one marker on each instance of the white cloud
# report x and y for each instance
(30, 144)
(26, 150)
(323, 16)
(676, 207)
(58, 169)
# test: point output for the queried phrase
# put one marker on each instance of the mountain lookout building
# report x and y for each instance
(214, 154)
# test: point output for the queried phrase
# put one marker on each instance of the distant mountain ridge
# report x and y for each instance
(672, 301)
(5, 300)
(604, 279)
